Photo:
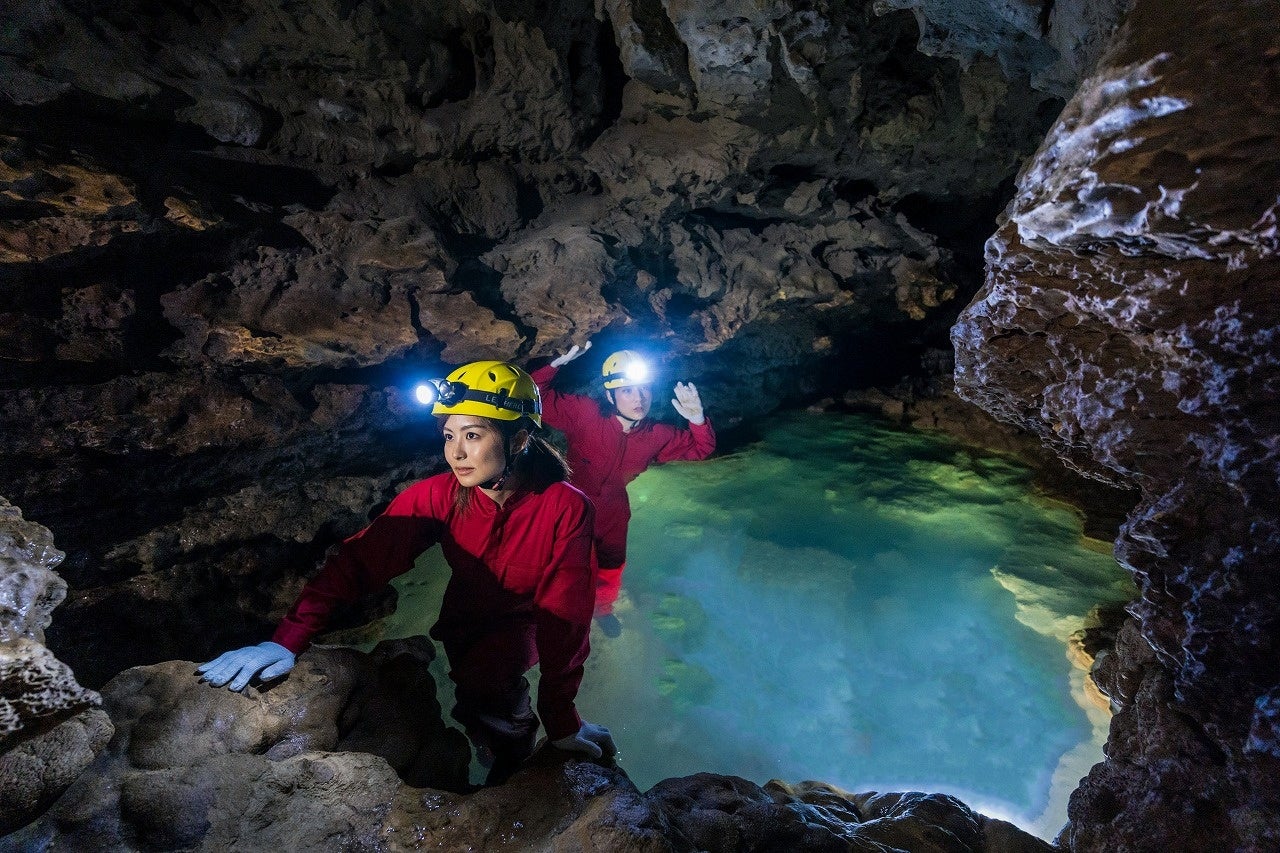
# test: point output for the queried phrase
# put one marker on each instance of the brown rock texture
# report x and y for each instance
(309, 762)
(349, 752)
(1129, 318)
(233, 235)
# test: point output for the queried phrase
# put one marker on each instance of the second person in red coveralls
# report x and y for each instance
(612, 443)
(518, 539)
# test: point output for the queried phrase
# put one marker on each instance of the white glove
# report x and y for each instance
(688, 403)
(590, 739)
(271, 659)
(561, 361)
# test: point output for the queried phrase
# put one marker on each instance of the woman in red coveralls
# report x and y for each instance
(610, 445)
(518, 538)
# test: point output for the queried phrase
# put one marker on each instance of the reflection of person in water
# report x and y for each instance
(613, 442)
(518, 538)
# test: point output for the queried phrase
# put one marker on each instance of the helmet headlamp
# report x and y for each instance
(491, 389)
(638, 372)
(439, 391)
(625, 368)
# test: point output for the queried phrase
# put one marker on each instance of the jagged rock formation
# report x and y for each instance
(50, 727)
(350, 753)
(228, 231)
(262, 219)
(1055, 43)
(1129, 319)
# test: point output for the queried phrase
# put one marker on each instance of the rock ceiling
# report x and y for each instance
(230, 231)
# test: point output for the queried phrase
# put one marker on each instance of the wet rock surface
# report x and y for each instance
(230, 237)
(1128, 319)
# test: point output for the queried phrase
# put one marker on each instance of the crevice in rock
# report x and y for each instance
(597, 80)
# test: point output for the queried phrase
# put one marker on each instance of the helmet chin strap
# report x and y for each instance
(613, 399)
(496, 484)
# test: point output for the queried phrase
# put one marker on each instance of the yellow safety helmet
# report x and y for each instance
(490, 389)
(624, 369)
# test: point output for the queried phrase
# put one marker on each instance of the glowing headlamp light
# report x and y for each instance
(439, 391)
(637, 372)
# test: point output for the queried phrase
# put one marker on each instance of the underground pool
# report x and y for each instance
(844, 601)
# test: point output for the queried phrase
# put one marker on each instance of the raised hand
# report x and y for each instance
(561, 361)
(688, 403)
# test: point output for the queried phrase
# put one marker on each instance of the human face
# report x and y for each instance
(633, 401)
(473, 449)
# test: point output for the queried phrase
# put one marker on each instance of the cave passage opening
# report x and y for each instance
(845, 601)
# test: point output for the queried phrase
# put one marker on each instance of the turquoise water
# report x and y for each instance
(848, 602)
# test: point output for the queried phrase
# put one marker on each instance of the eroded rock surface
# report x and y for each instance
(1129, 319)
(50, 728)
(310, 762)
(348, 752)
(231, 238)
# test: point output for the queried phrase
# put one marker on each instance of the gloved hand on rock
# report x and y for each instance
(590, 739)
(271, 660)
(561, 361)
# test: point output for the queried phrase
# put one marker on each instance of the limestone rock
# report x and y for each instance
(29, 588)
(36, 689)
(554, 802)
(349, 751)
(1128, 320)
(38, 770)
(336, 307)
(726, 813)
(1054, 44)
(49, 730)
(554, 281)
(194, 765)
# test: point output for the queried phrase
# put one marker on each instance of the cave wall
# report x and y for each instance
(1129, 317)
(232, 234)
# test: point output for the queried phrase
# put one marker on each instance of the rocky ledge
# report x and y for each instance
(349, 753)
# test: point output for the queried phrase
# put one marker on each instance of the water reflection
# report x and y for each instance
(846, 602)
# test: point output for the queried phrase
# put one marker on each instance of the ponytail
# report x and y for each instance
(539, 465)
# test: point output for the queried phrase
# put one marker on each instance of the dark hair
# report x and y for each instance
(607, 409)
(534, 468)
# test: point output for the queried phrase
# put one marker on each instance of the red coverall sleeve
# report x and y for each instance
(362, 564)
(696, 442)
(561, 411)
(565, 601)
